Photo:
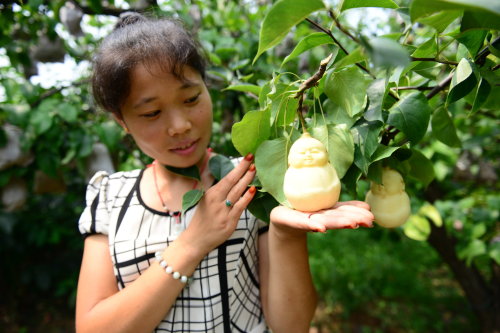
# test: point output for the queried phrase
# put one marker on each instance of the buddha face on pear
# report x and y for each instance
(308, 152)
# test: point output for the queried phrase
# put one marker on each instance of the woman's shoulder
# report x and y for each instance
(103, 179)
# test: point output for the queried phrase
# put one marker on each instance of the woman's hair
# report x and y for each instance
(138, 40)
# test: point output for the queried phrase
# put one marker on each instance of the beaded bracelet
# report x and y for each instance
(169, 270)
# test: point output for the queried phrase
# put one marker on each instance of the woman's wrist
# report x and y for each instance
(284, 232)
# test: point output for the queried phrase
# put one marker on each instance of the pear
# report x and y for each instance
(311, 182)
(389, 202)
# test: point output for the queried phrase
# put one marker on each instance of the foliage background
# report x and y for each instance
(369, 280)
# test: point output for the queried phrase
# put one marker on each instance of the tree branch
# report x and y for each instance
(419, 88)
(51, 92)
(112, 11)
(341, 27)
(453, 63)
(307, 84)
(329, 33)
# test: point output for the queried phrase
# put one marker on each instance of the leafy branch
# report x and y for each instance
(54, 91)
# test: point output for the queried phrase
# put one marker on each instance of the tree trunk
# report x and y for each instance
(483, 297)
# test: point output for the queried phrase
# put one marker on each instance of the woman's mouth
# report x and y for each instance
(185, 148)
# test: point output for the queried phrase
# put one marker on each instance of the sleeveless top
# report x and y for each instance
(223, 295)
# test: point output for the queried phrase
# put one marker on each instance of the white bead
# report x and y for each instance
(163, 263)
(169, 270)
(176, 275)
(184, 279)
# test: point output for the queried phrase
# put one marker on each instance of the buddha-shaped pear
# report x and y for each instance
(311, 182)
(389, 201)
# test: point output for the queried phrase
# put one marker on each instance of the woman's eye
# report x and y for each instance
(151, 114)
(192, 99)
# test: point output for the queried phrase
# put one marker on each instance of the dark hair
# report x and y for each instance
(136, 40)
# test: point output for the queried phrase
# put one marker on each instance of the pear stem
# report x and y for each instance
(307, 84)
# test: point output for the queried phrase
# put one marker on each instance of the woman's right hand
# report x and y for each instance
(214, 221)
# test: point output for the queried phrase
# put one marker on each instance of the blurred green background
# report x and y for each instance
(52, 139)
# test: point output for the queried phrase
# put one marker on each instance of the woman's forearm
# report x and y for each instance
(140, 306)
(291, 297)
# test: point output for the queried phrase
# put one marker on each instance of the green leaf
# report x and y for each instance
(441, 20)
(264, 91)
(421, 168)
(190, 199)
(251, 131)
(376, 93)
(431, 212)
(339, 144)
(95, 5)
(189, 172)
(444, 129)
(383, 152)
(271, 162)
(282, 16)
(426, 49)
(251, 88)
(366, 135)
(423, 8)
(351, 178)
(411, 115)
(347, 88)
(478, 230)
(475, 248)
(480, 20)
(41, 118)
(283, 103)
(354, 57)
(472, 39)
(494, 251)
(385, 52)
(109, 133)
(309, 42)
(348, 4)
(417, 228)
(336, 114)
(262, 205)
(463, 81)
(68, 112)
(220, 166)
(481, 95)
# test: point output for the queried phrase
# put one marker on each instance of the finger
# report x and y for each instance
(243, 202)
(357, 203)
(232, 178)
(242, 185)
(345, 217)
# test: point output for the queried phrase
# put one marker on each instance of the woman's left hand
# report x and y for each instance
(344, 215)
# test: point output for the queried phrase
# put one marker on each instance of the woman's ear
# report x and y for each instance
(119, 119)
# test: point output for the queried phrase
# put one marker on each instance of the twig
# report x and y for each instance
(112, 11)
(307, 84)
(51, 92)
(329, 33)
(453, 63)
(419, 88)
(341, 27)
(443, 84)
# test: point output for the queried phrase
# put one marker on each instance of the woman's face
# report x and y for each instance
(169, 119)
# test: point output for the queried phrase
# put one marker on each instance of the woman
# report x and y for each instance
(147, 267)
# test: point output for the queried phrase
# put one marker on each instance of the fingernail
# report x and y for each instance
(252, 189)
(249, 157)
(252, 167)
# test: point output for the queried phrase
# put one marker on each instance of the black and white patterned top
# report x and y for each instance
(224, 293)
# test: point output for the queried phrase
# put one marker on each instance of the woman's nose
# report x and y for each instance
(179, 123)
